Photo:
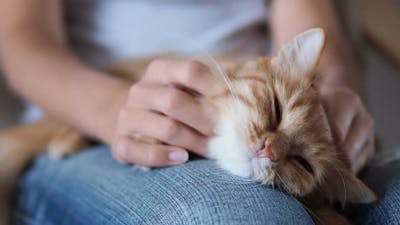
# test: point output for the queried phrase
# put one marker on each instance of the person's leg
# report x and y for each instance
(90, 188)
(385, 181)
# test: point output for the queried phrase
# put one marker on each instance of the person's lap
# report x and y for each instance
(385, 181)
(91, 188)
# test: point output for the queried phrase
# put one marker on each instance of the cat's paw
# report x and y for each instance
(66, 142)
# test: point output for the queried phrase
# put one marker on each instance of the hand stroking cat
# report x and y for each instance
(270, 127)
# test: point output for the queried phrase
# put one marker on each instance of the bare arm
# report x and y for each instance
(338, 64)
(40, 67)
(340, 83)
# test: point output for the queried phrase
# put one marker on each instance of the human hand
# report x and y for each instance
(157, 107)
(351, 124)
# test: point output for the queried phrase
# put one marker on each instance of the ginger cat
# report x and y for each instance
(271, 128)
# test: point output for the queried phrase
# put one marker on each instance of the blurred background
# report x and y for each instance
(374, 27)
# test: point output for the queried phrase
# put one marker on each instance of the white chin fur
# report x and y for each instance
(262, 170)
(227, 149)
(232, 154)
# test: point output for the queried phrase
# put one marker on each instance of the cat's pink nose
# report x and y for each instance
(267, 152)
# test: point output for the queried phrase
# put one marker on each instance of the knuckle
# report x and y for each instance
(194, 66)
(192, 69)
(172, 101)
(152, 157)
(171, 129)
(154, 65)
(348, 95)
(354, 97)
(134, 95)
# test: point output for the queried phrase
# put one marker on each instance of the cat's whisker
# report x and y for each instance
(223, 74)
(287, 189)
(280, 188)
(273, 184)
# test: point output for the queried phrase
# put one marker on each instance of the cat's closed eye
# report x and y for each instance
(277, 108)
(303, 162)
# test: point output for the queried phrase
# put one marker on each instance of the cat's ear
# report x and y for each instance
(345, 187)
(300, 56)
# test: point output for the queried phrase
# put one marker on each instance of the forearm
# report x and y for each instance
(338, 64)
(45, 72)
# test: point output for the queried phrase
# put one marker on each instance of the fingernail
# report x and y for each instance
(178, 156)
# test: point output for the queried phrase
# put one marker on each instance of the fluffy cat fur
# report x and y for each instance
(271, 128)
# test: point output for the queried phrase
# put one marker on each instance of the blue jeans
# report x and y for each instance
(91, 188)
(385, 180)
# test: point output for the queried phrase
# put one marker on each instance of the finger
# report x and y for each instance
(341, 121)
(130, 151)
(187, 73)
(341, 118)
(358, 134)
(369, 146)
(164, 129)
(364, 156)
(179, 105)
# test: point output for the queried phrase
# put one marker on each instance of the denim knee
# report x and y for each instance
(221, 204)
(385, 180)
(91, 188)
(204, 194)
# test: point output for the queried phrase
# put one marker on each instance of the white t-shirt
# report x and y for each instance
(102, 31)
(105, 31)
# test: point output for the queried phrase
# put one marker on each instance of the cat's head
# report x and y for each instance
(277, 121)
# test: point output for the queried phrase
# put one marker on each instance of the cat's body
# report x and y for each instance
(271, 128)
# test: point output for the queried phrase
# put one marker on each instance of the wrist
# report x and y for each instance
(104, 124)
